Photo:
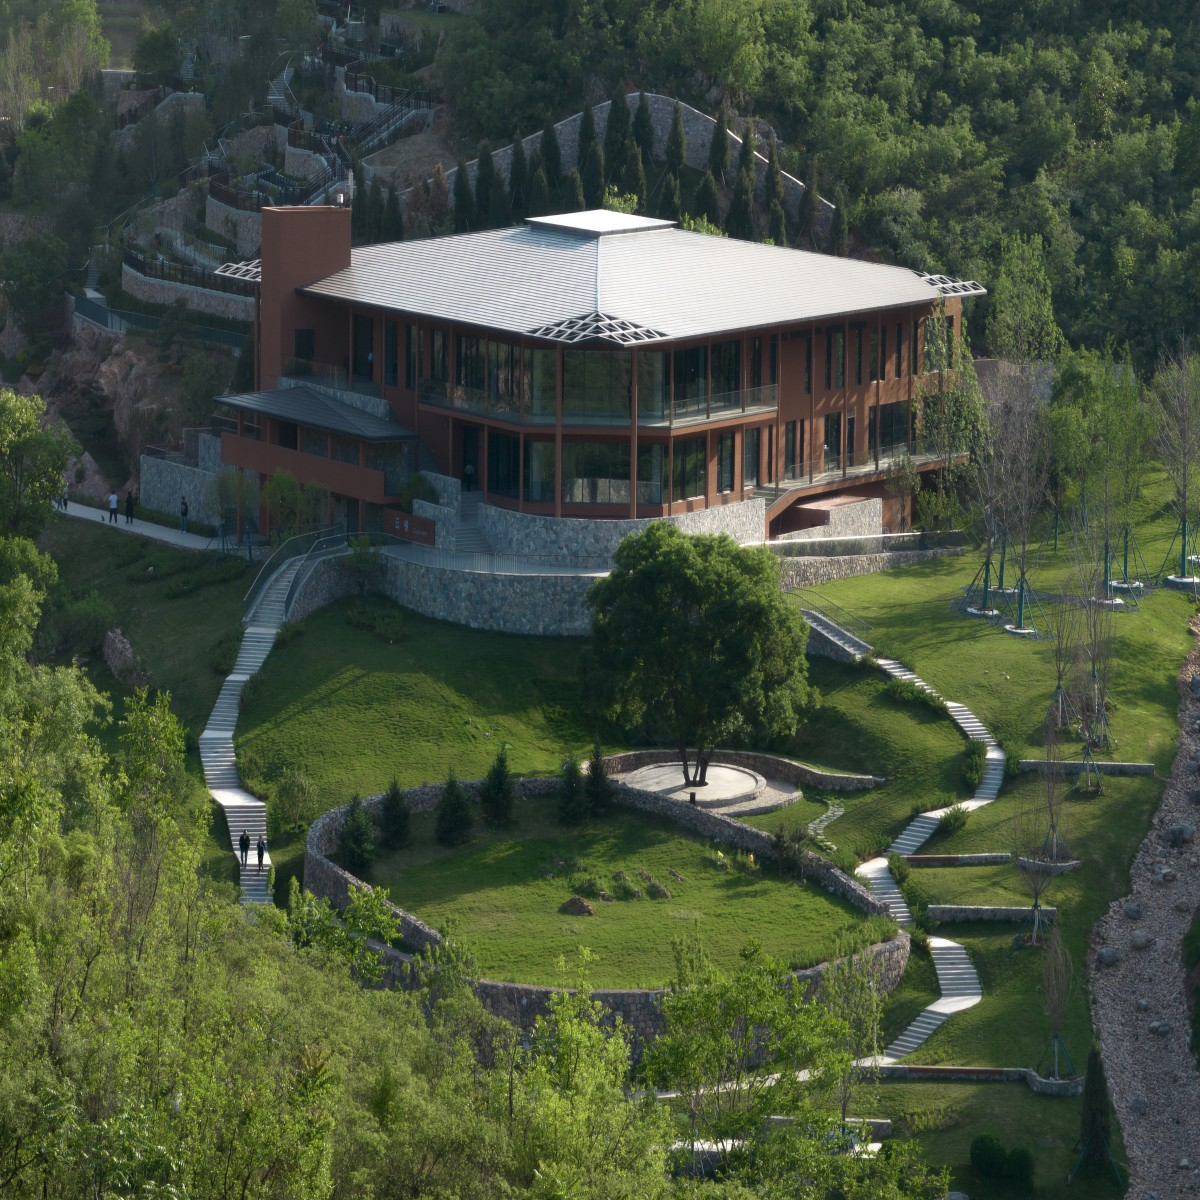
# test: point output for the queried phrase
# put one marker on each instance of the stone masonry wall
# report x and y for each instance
(208, 452)
(903, 1072)
(769, 766)
(244, 228)
(521, 1004)
(303, 164)
(810, 571)
(509, 532)
(545, 605)
(322, 583)
(983, 912)
(161, 484)
(162, 291)
(697, 128)
(446, 520)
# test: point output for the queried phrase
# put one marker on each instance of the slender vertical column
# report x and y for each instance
(633, 431)
(558, 423)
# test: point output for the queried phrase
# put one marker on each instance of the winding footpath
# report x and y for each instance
(957, 978)
(244, 811)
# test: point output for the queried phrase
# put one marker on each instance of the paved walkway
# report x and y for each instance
(160, 533)
(957, 979)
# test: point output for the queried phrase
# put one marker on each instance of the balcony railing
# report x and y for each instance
(684, 411)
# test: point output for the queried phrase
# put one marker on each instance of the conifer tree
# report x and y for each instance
(518, 176)
(705, 203)
(500, 210)
(739, 221)
(1095, 1128)
(485, 177)
(587, 135)
(718, 148)
(551, 156)
(356, 839)
(746, 151)
(597, 786)
(395, 817)
(573, 200)
(643, 130)
(777, 229)
(393, 216)
(497, 794)
(593, 177)
(774, 182)
(839, 234)
(537, 203)
(676, 143)
(464, 200)
(453, 818)
(668, 199)
(634, 180)
(616, 136)
(809, 216)
(572, 799)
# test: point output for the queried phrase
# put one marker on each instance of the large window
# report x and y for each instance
(858, 355)
(883, 355)
(689, 469)
(751, 444)
(899, 349)
(504, 380)
(892, 429)
(726, 377)
(542, 388)
(470, 362)
(725, 462)
(654, 385)
(789, 450)
(316, 441)
(873, 356)
(850, 440)
(539, 471)
(411, 365)
(503, 464)
(437, 356)
(650, 474)
(595, 472)
(596, 387)
(756, 356)
(391, 354)
(691, 382)
(808, 364)
(835, 359)
(833, 442)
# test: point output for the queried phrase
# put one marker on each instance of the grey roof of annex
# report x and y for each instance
(610, 278)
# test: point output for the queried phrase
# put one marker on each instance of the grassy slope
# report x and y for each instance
(518, 933)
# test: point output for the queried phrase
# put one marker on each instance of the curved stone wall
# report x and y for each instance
(769, 765)
(521, 1004)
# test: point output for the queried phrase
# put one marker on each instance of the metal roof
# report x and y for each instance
(307, 407)
(249, 269)
(632, 279)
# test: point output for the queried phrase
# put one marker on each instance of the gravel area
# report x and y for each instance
(1136, 980)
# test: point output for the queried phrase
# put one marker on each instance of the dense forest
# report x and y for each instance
(942, 129)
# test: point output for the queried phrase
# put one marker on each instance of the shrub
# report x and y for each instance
(1019, 1169)
(395, 817)
(497, 794)
(989, 1158)
(356, 839)
(387, 624)
(452, 818)
(416, 487)
(572, 799)
(951, 821)
(293, 800)
(898, 865)
(904, 691)
(597, 785)
(288, 633)
(225, 652)
(974, 760)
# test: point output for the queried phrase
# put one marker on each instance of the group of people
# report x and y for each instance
(244, 847)
(114, 504)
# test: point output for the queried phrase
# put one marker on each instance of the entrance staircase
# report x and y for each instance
(468, 538)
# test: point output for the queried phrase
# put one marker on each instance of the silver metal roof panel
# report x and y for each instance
(306, 407)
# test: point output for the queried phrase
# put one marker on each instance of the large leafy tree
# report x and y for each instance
(33, 461)
(694, 643)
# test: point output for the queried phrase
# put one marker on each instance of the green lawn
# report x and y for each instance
(945, 1117)
(506, 889)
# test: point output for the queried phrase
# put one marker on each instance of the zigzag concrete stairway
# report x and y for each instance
(957, 978)
(242, 810)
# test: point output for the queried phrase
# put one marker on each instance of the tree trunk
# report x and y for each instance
(683, 756)
(701, 767)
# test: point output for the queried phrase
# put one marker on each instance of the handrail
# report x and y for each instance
(320, 546)
(284, 551)
(845, 618)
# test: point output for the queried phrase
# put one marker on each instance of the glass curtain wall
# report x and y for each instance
(597, 387)
(689, 469)
(595, 472)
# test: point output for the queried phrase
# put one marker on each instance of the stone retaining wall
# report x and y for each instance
(449, 489)
(809, 571)
(697, 128)
(985, 912)
(821, 645)
(241, 226)
(957, 860)
(446, 520)
(521, 1004)
(162, 482)
(1043, 1087)
(197, 299)
(321, 583)
(302, 164)
(767, 765)
(509, 532)
(1076, 768)
(545, 605)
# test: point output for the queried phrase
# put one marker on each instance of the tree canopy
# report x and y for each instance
(694, 642)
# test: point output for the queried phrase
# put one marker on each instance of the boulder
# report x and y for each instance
(1195, 685)
(1160, 1028)
(1139, 939)
(1178, 836)
(1107, 956)
(577, 906)
(1143, 1004)
(1133, 910)
(1138, 1106)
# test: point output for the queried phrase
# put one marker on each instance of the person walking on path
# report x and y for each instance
(183, 514)
(129, 508)
(262, 849)
(112, 508)
(244, 846)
